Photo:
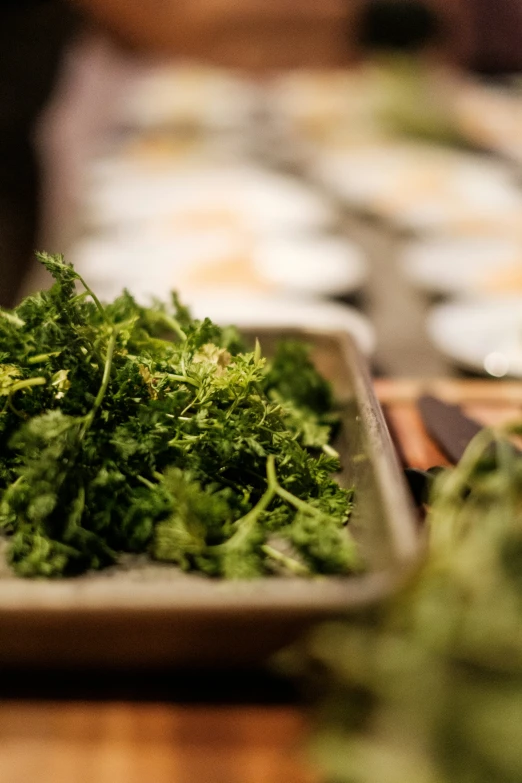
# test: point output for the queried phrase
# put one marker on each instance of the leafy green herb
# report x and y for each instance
(132, 429)
(429, 687)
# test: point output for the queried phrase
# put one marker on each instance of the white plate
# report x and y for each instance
(422, 188)
(491, 117)
(464, 265)
(222, 259)
(126, 257)
(483, 335)
(260, 200)
(313, 265)
(164, 152)
(188, 93)
(321, 266)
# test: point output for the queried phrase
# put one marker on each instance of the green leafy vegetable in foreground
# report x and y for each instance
(429, 688)
(132, 429)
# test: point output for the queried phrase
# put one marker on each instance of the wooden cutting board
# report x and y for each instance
(489, 402)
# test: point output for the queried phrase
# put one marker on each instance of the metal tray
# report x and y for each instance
(147, 614)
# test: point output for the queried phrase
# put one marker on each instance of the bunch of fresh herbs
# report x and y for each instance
(132, 429)
(428, 688)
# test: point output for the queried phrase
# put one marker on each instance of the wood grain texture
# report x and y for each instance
(75, 742)
(415, 449)
(491, 403)
(493, 393)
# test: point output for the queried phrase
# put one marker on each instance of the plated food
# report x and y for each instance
(480, 334)
(220, 260)
(189, 95)
(259, 200)
(321, 110)
(422, 188)
(309, 110)
(464, 265)
(491, 116)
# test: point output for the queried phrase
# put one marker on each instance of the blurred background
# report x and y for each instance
(350, 164)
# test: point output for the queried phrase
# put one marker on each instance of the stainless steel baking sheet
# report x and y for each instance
(147, 614)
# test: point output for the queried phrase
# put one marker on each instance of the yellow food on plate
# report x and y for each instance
(234, 272)
(503, 281)
(205, 219)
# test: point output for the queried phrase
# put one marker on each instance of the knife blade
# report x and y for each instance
(447, 425)
(451, 430)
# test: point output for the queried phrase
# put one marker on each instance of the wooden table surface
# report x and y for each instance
(126, 742)
(70, 732)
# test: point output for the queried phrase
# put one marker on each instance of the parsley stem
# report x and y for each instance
(296, 502)
(73, 523)
(330, 451)
(283, 493)
(93, 296)
(27, 384)
(271, 472)
(174, 325)
(244, 524)
(14, 409)
(106, 371)
(12, 318)
(182, 378)
(104, 384)
(261, 505)
(289, 562)
(257, 352)
(170, 322)
(146, 482)
(42, 357)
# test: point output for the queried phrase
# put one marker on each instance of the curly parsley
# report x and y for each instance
(132, 429)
